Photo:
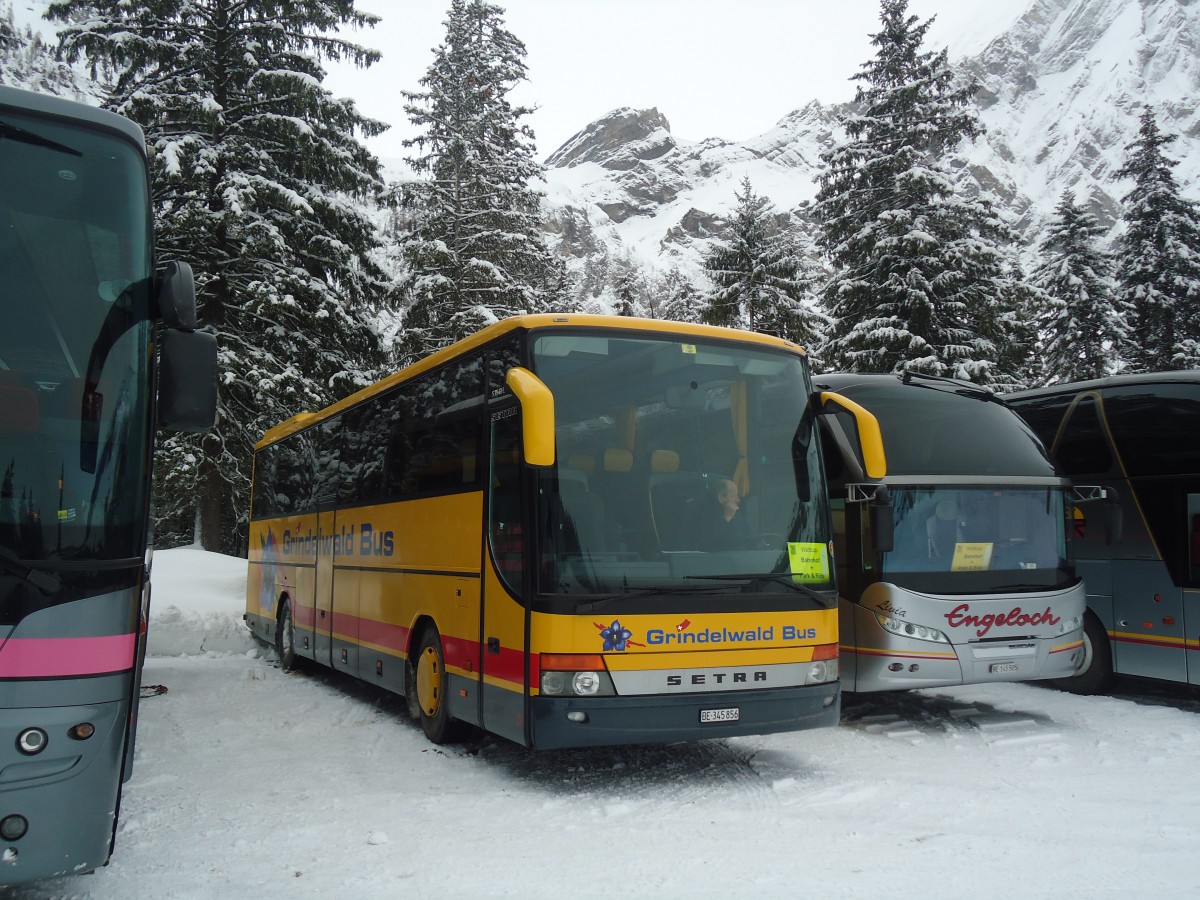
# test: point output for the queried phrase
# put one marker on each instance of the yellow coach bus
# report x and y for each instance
(566, 530)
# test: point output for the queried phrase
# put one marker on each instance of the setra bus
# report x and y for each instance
(524, 532)
(1139, 554)
(94, 352)
(954, 568)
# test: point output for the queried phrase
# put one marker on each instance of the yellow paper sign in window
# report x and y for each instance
(809, 562)
(971, 558)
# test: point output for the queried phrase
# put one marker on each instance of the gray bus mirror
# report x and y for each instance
(883, 523)
(177, 296)
(1114, 519)
(187, 381)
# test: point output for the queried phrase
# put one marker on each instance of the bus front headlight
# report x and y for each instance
(911, 630)
(1068, 625)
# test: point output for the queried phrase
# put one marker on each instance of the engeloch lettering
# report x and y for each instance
(1016, 617)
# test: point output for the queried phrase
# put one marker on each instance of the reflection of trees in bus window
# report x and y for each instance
(1156, 433)
(1193, 518)
(1083, 447)
(505, 531)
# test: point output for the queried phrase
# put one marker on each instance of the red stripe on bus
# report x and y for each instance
(63, 657)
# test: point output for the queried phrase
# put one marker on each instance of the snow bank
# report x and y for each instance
(196, 605)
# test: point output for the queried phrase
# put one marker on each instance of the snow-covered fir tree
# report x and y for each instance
(1082, 328)
(759, 278)
(477, 253)
(258, 177)
(1158, 256)
(680, 300)
(27, 62)
(920, 280)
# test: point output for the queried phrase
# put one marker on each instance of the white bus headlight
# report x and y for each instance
(911, 630)
(1072, 624)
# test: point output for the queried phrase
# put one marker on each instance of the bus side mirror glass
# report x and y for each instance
(177, 296)
(883, 524)
(537, 415)
(187, 381)
(1114, 520)
(1114, 513)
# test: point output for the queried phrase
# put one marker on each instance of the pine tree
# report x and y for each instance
(920, 280)
(1159, 256)
(256, 176)
(477, 253)
(759, 276)
(1082, 327)
(680, 300)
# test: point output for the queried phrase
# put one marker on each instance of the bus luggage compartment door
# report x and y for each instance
(1148, 621)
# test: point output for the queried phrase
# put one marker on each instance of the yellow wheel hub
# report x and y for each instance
(429, 681)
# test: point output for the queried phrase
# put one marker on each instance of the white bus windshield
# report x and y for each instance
(951, 539)
(678, 462)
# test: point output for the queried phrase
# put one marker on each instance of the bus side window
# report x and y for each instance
(504, 490)
(1083, 448)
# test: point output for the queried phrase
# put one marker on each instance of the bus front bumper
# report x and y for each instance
(559, 722)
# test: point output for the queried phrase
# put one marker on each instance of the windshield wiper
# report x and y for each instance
(12, 132)
(629, 593)
(960, 388)
(43, 581)
(778, 577)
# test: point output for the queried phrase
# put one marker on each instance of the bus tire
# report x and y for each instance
(429, 688)
(285, 636)
(1096, 675)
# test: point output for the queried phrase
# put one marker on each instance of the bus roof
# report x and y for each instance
(58, 107)
(945, 427)
(1183, 376)
(515, 323)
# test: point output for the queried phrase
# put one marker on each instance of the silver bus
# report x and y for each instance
(94, 351)
(954, 566)
(1139, 553)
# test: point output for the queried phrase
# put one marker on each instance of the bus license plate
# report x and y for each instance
(1000, 668)
(729, 714)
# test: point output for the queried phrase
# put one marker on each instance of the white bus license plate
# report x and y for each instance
(729, 714)
(1001, 668)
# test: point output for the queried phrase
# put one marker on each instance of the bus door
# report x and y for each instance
(1148, 613)
(323, 585)
(502, 615)
(1191, 593)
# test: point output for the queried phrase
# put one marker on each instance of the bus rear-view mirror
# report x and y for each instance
(537, 415)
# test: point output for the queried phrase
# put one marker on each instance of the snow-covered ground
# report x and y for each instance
(252, 783)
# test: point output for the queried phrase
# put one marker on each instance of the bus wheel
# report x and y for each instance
(285, 637)
(429, 688)
(1096, 674)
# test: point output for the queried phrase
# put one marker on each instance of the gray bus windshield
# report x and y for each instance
(675, 461)
(75, 345)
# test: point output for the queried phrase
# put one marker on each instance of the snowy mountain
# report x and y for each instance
(1060, 95)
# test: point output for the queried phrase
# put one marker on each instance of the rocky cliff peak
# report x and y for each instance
(618, 141)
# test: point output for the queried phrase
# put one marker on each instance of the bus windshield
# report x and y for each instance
(75, 346)
(951, 540)
(678, 463)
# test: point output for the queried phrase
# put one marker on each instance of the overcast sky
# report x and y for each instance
(714, 68)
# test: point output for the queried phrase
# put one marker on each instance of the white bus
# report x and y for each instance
(954, 566)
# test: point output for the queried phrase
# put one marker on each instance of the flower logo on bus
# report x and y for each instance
(616, 636)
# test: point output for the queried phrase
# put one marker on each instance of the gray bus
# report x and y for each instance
(94, 351)
(954, 567)
(1139, 554)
